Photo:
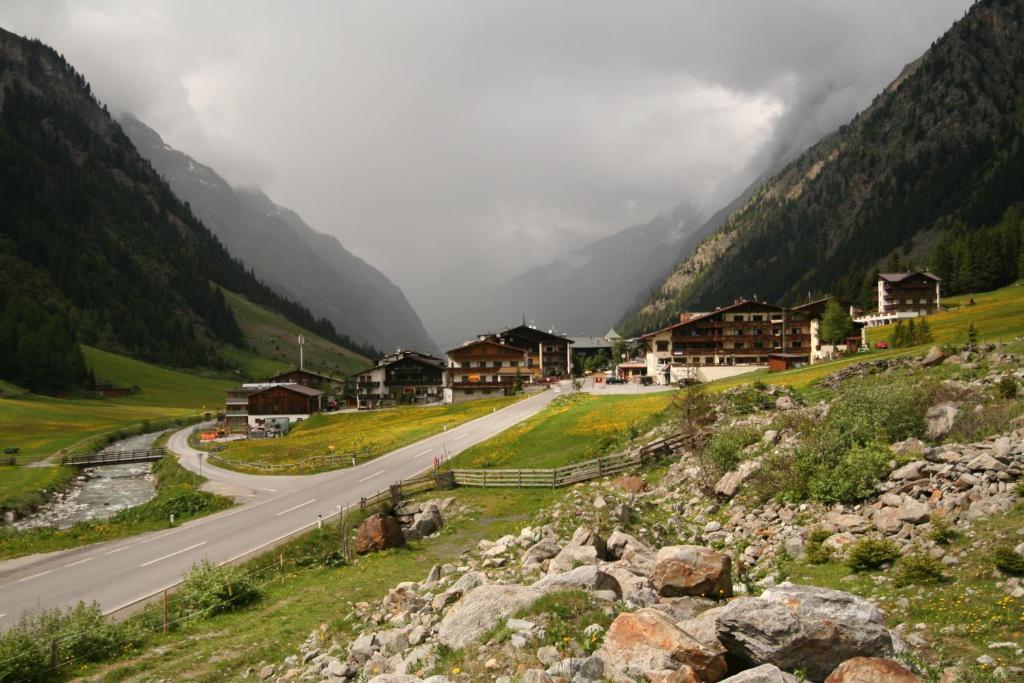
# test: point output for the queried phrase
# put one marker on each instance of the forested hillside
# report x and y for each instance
(926, 175)
(118, 261)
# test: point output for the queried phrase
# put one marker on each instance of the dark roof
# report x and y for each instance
(422, 358)
(818, 305)
(900, 277)
(704, 316)
(591, 342)
(289, 386)
(488, 341)
(527, 331)
(311, 373)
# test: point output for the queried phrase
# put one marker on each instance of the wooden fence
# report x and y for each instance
(313, 463)
(114, 457)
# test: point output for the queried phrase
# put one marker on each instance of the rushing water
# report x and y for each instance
(99, 492)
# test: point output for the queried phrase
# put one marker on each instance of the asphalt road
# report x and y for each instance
(119, 573)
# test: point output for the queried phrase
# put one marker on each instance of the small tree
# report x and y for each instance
(836, 324)
(899, 335)
(695, 410)
(911, 337)
(924, 333)
(972, 334)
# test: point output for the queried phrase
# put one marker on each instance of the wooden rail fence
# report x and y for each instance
(114, 457)
(315, 462)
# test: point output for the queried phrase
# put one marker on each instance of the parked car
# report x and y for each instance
(881, 345)
(646, 380)
(615, 380)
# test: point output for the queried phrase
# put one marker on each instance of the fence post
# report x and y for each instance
(165, 610)
(520, 479)
(54, 659)
(600, 471)
(396, 493)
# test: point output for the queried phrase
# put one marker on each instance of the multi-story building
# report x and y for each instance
(253, 406)
(484, 368)
(899, 296)
(728, 341)
(820, 350)
(548, 354)
(402, 377)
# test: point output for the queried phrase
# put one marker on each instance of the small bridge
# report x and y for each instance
(114, 457)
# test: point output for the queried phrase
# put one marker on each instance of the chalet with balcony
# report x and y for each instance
(484, 368)
(821, 351)
(900, 296)
(728, 341)
(309, 378)
(548, 354)
(402, 377)
(256, 406)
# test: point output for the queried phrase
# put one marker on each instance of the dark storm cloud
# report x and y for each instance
(452, 141)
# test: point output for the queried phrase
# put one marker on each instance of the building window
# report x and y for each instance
(485, 391)
(797, 344)
(469, 392)
(758, 345)
(496, 364)
(662, 346)
(513, 364)
(757, 318)
(738, 345)
(756, 330)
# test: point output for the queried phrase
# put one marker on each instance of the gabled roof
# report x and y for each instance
(612, 334)
(527, 331)
(704, 316)
(253, 389)
(422, 358)
(489, 342)
(900, 277)
(304, 371)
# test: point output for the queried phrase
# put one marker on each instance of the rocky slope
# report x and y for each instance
(679, 577)
(941, 148)
(288, 254)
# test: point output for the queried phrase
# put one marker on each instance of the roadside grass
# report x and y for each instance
(294, 604)
(177, 492)
(369, 433)
(21, 488)
(963, 613)
(271, 344)
(570, 429)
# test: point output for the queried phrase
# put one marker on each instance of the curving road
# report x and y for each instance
(119, 573)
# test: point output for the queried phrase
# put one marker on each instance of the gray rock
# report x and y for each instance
(542, 550)
(479, 610)
(785, 403)
(940, 419)
(588, 578)
(548, 655)
(692, 570)
(985, 462)
(536, 676)
(912, 470)
(913, 511)
(933, 357)
(766, 673)
(731, 481)
(395, 678)
(573, 556)
(824, 602)
(591, 668)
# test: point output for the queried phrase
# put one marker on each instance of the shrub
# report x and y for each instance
(880, 409)
(871, 553)
(1007, 387)
(749, 399)
(942, 532)
(210, 589)
(917, 570)
(1008, 560)
(853, 477)
(816, 550)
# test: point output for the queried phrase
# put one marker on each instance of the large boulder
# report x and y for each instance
(704, 627)
(573, 556)
(543, 549)
(379, 532)
(584, 537)
(633, 587)
(480, 609)
(813, 629)
(872, 670)
(766, 673)
(692, 570)
(647, 640)
(588, 578)
(933, 357)
(731, 481)
(940, 419)
(428, 519)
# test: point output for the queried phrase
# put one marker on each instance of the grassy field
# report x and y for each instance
(21, 487)
(40, 425)
(569, 430)
(271, 344)
(222, 647)
(371, 432)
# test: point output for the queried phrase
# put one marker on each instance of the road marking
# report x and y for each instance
(300, 505)
(177, 552)
(34, 576)
(3, 615)
(423, 453)
(211, 518)
(117, 550)
(460, 436)
(371, 476)
(75, 564)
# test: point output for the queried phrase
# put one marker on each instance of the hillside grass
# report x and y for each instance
(370, 433)
(571, 429)
(40, 426)
(309, 595)
(21, 488)
(271, 344)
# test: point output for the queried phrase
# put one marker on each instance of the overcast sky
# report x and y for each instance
(446, 141)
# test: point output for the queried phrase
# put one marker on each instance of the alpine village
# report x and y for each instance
(233, 451)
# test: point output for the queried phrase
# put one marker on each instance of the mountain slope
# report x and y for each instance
(940, 149)
(288, 254)
(125, 264)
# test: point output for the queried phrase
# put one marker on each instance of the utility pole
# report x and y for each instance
(302, 340)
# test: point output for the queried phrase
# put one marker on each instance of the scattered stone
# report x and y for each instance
(766, 673)
(379, 532)
(692, 570)
(648, 640)
(872, 670)
(479, 610)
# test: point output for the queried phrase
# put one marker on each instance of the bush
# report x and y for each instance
(853, 477)
(1007, 387)
(1008, 560)
(880, 409)
(82, 635)
(816, 550)
(210, 589)
(871, 553)
(942, 532)
(917, 570)
(749, 399)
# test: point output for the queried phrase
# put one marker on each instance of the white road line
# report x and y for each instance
(117, 550)
(371, 476)
(34, 576)
(177, 552)
(460, 436)
(264, 545)
(300, 505)
(3, 615)
(423, 453)
(75, 564)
